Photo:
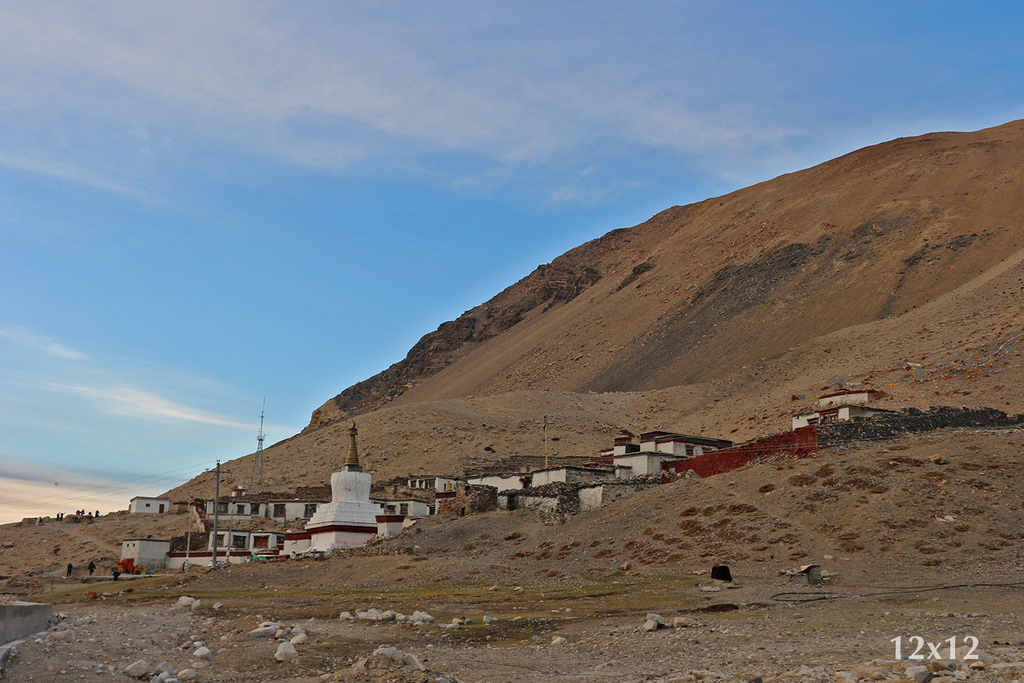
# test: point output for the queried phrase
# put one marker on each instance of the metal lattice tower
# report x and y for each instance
(257, 467)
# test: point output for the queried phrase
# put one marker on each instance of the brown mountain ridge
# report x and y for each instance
(710, 318)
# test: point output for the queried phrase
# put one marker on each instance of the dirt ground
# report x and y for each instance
(918, 537)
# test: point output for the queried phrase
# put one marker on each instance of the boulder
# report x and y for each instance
(184, 602)
(265, 630)
(346, 616)
(196, 606)
(203, 653)
(286, 652)
(300, 639)
(139, 669)
(558, 640)
(413, 662)
(919, 674)
(187, 675)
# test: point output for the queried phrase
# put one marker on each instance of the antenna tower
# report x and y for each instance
(257, 467)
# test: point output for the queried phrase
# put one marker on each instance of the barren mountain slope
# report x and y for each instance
(698, 290)
(957, 347)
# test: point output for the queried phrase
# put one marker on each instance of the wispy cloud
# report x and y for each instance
(138, 403)
(41, 343)
(327, 85)
(80, 176)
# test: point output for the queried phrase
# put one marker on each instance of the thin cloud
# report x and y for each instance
(138, 403)
(44, 344)
(66, 172)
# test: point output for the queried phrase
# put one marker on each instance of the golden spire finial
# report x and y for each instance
(352, 461)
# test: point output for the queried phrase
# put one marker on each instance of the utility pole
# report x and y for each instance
(545, 442)
(216, 512)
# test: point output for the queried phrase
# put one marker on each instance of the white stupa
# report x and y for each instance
(350, 519)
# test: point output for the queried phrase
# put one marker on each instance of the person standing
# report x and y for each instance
(71, 568)
(92, 567)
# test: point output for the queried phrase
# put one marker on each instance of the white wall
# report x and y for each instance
(501, 482)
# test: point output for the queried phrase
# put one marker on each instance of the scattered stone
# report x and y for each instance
(286, 652)
(203, 653)
(413, 662)
(558, 640)
(196, 606)
(490, 620)
(184, 602)
(346, 616)
(300, 639)
(139, 669)
(919, 674)
(63, 636)
(264, 630)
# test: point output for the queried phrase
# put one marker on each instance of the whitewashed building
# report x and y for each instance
(149, 506)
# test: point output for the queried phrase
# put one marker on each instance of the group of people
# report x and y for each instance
(71, 569)
(79, 514)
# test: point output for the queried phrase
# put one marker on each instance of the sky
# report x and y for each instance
(211, 207)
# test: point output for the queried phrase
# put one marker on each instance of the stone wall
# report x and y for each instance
(911, 421)
(470, 500)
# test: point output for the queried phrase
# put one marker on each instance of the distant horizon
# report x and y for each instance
(203, 207)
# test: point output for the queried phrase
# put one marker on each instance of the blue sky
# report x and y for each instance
(206, 204)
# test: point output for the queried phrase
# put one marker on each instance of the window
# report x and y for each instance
(238, 541)
(279, 509)
(403, 509)
(447, 486)
(222, 507)
(240, 509)
(430, 511)
(261, 541)
(310, 509)
(220, 540)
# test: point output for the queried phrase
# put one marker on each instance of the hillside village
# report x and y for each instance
(267, 525)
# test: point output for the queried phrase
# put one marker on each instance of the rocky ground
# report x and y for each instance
(919, 537)
(766, 628)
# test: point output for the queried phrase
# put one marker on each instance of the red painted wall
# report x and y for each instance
(800, 443)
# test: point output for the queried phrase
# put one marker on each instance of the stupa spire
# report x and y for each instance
(352, 461)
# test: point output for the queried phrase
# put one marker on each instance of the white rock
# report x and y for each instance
(300, 639)
(286, 652)
(184, 602)
(265, 631)
(412, 661)
(196, 606)
(137, 669)
(651, 616)
(490, 620)
(187, 675)
(218, 605)
(297, 630)
(558, 640)
(203, 653)
(650, 625)
(346, 616)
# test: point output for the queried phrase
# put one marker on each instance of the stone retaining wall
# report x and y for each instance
(20, 619)
(911, 421)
